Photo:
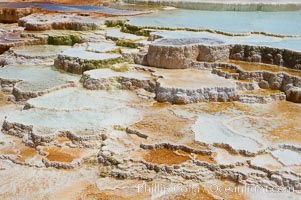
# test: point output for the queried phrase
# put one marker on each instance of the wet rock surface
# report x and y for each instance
(222, 5)
(19, 80)
(197, 111)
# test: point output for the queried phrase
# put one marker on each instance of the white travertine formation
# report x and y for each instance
(41, 22)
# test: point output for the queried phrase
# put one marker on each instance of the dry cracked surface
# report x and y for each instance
(85, 115)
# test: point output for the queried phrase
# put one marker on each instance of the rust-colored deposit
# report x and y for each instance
(164, 156)
(64, 154)
(205, 158)
(26, 153)
(3, 99)
(164, 124)
(62, 140)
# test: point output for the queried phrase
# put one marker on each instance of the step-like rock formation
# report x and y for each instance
(77, 60)
(246, 85)
(12, 36)
(268, 55)
(260, 96)
(65, 37)
(272, 77)
(104, 79)
(38, 51)
(89, 131)
(181, 53)
(41, 22)
(101, 47)
(24, 85)
(190, 86)
(12, 15)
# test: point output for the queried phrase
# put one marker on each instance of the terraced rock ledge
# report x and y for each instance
(222, 5)
(78, 60)
(41, 22)
(106, 79)
(286, 80)
(181, 53)
(193, 53)
(185, 86)
(96, 108)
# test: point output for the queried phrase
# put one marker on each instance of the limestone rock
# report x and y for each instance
(40, 22)
(104, 79)
(294, 94)
(193, 86)
(77, 60)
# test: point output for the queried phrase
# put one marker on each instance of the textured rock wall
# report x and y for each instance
(21, 95)
(78, 66)
(71, 65)
(116, 82)
(245, 98)
(185, 96)
(59, 21)
(268, 55)
(289, 84)
(12, 15)
(213, 53)
(172, 57)
(183, 56)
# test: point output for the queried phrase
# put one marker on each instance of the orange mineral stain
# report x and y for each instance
(61, 140)
(26, 153)
(205, 158)
(65, 154)
(164, 156)
(251, 66)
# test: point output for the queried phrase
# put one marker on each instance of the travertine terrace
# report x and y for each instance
(110, 100)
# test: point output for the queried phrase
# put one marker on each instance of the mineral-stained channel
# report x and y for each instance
(113, 102)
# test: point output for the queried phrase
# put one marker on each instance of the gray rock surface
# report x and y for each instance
(182, 53)
(40, 22)
(77, 60)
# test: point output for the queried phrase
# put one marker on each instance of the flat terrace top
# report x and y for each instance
(39, 50)
(79, 99)
(36, 78)
(191, 79)
(87, 55)
(108, 73)
(255, 67)
(188, 41)
(60, 18)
